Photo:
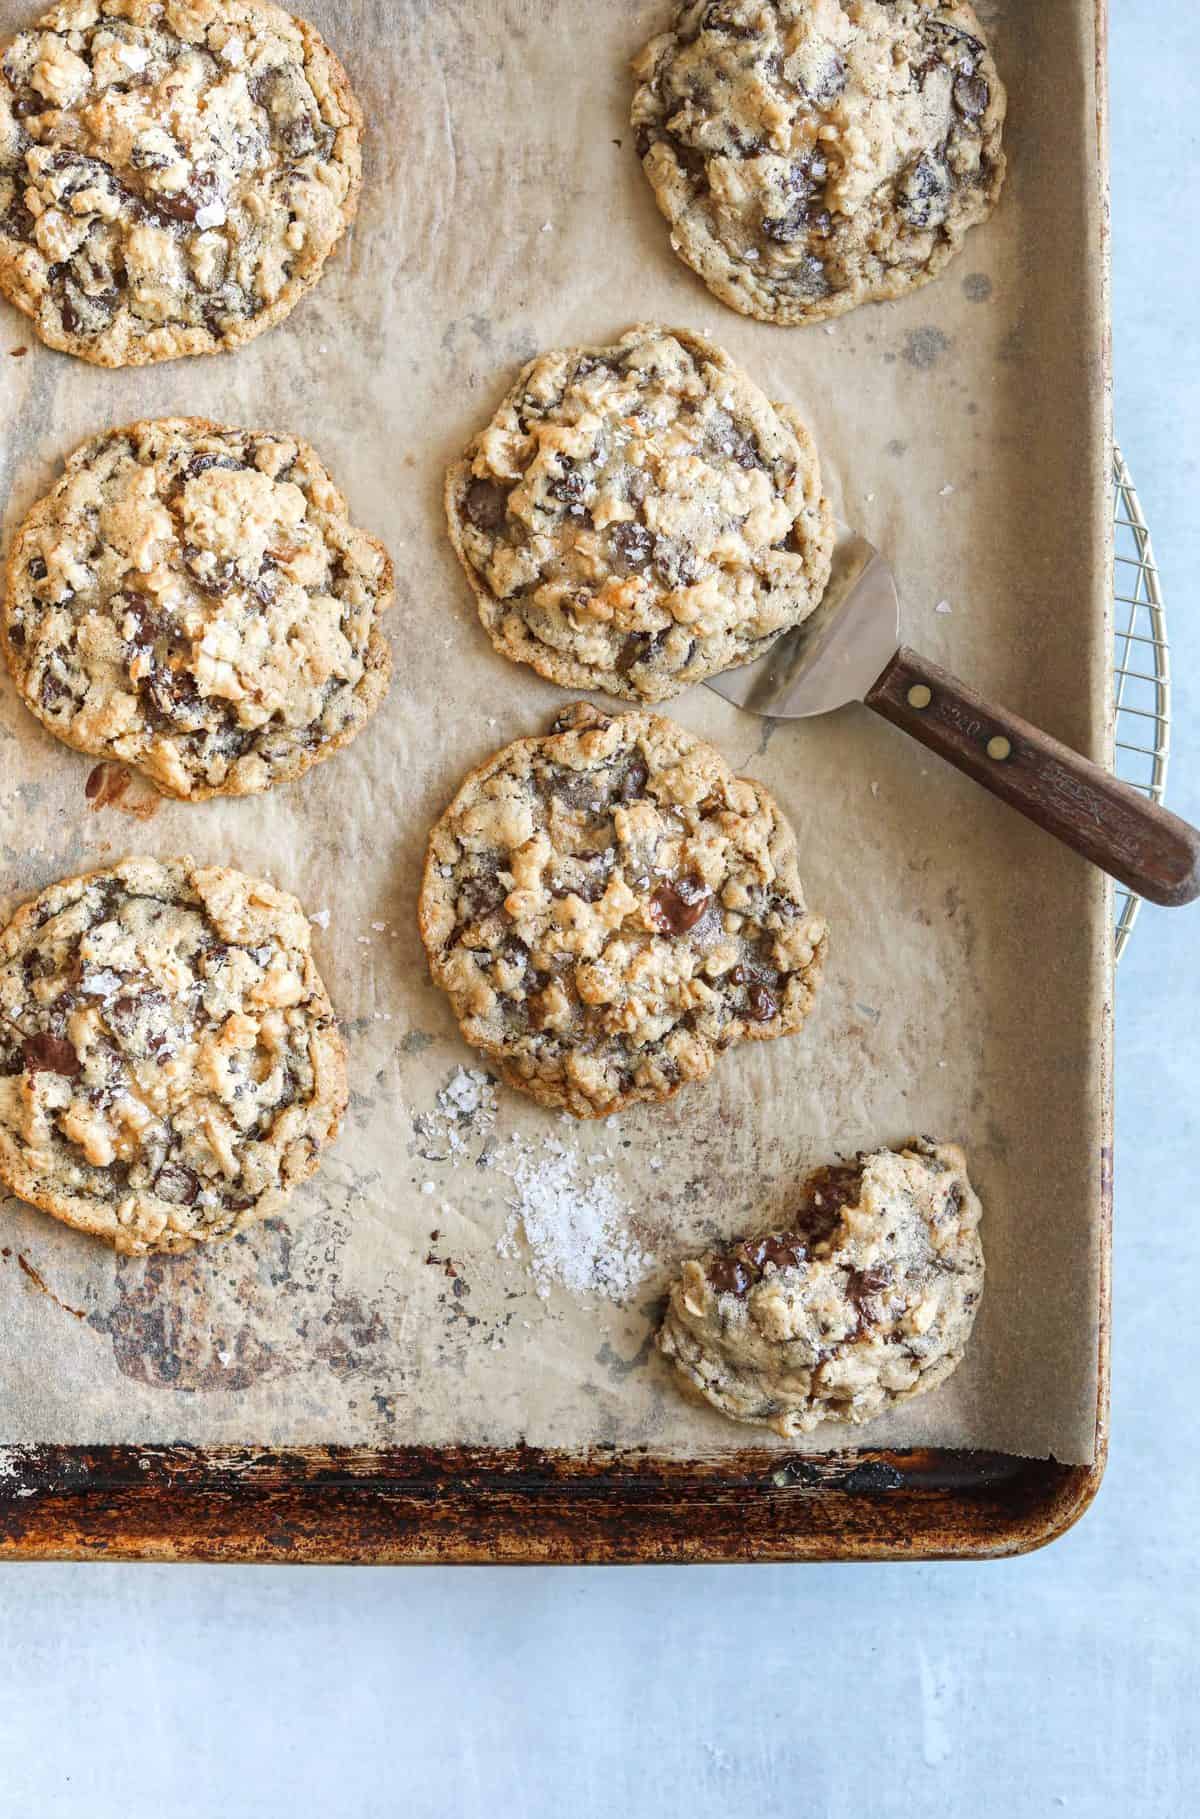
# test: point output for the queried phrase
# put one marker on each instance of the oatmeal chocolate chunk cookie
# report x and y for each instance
(867, 1299)
(195, 602)
(609, 908)
(812, 155)
(170, 1067)
(173, 173)
(638, 517)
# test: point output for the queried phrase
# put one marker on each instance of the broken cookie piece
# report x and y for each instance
(865, 1300)
(170, 1065)
(609, 909)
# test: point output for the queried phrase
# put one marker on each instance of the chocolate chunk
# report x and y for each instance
(171, 689)
(128, 1016)
(745, 1262)
(761, 1002)
(480, 896)
(868, 1282)
(28, 104)
(675, 908)
(731, 1275)
(638, 647)
(306, 135)
(588, 879)
(217, 581)
(805, 180)
(783, 1250)
(971, 96)
(201, 463)
(142, 617)
(630, 653)
(86, 312)
(783, 229)
(486, 504)
(823, 1196)
(728, 18)
(965, 49)
(632, 785)
(570, 488)
(47, 1054)
(17, 222)
(923, 192)
(631, 546)
(177, 1183)
(693, 161)
(185, 204)
(745, 451)
(863, 1289)
(53, 691)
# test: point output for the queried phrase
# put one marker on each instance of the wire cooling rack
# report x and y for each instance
(1141, 666)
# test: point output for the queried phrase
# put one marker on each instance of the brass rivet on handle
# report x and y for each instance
(999, 748)
(919, 695)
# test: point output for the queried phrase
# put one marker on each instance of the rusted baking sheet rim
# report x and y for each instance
(523, 1505)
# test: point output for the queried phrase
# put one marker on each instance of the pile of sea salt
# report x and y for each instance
(466, 1109)
(573, 1219)
(566, 1215)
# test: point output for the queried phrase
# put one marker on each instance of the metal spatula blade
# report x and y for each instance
(835, 655)
(849, 649)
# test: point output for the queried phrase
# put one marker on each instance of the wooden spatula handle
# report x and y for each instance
(1152, 851)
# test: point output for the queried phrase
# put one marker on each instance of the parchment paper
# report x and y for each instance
(504, 211)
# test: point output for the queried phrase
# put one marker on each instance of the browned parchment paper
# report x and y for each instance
(504, 211)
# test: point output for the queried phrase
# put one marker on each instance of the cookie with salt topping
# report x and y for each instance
(170, 1065)
(610, 909)
(194, 601)
(812, 155)
(174, 174)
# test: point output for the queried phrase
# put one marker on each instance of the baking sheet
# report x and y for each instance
(503, 211)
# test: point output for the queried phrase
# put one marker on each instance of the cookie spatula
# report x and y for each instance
(849, 649)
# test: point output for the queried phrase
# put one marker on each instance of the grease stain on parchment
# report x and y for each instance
(924, 347)
(265, 1305)
(977, 287)
(108, 786)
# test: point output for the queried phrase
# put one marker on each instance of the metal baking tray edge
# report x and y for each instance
(525, 1506)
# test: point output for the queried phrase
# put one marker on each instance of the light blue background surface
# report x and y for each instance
(1065, 1683)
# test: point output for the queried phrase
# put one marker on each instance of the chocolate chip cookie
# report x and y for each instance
(609, 908)
(170, 1067)
(865, 1300)
(812, 155)
(173, 173)
(195, 602)
(637, 517)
